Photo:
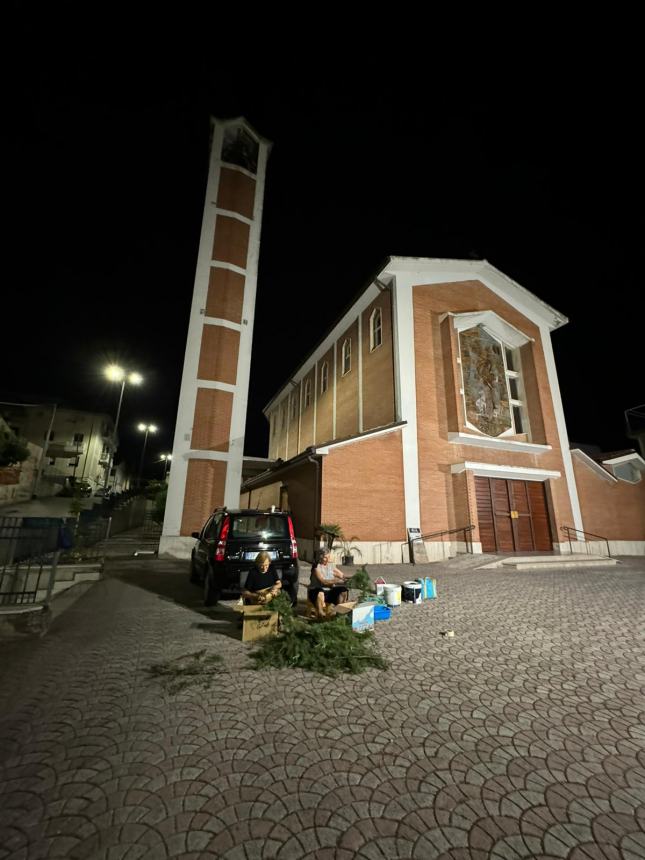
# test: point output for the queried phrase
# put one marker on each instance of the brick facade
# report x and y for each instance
(378, 367)
(231, 242)
(204, 492)
(218, 355)
(212, 423)
(236, 192)
(325, 401)
(225, 295)
(347, 386)
(614, 510)
(362, 488)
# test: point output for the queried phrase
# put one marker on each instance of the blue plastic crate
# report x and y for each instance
(382, 613)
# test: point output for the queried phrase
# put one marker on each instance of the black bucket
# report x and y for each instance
(411, 592)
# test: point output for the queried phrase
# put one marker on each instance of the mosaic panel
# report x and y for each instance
(485, 387)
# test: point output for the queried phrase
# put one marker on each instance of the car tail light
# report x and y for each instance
(221, 543)
(294, 545)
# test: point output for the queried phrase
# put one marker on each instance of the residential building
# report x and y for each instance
(78, 446)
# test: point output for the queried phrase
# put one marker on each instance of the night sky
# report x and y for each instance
(105, 191)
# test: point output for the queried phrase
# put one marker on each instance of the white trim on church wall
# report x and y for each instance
(580, 455)
(556, 399)
(406, 394)
(497, 443)
(223, 323)
(491, 470)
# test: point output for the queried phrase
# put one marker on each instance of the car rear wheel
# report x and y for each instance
(194, 576)
(211, 593)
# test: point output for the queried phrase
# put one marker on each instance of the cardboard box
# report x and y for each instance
(258, 623)
(361, 615)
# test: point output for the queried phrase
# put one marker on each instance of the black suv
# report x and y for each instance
(229, 543)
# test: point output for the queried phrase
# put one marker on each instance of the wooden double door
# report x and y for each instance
(513, 515)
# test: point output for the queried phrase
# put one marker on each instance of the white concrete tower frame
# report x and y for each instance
(172, 543)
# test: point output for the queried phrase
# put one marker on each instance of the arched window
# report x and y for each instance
(347, 356)
(307, 393)
(376, 329)
(324, 377)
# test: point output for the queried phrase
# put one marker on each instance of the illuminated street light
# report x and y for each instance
(165, 459)
(117, 374)
(144, 428)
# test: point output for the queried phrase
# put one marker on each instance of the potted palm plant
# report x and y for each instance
(327, 533)
(348, 548)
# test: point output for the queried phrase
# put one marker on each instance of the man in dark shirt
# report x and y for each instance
(262, 583)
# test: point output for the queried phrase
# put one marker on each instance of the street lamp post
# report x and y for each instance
(165, 459)
(144, 428)
(116, 374)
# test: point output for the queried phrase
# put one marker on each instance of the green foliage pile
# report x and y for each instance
(361, 582)
(185, 671)
(12, 450)
(282, 605)
(327, 648)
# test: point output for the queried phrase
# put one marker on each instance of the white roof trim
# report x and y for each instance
(457, 270)
(593, 465)
(635, 459)
(499, 444)
(494, 325)
(491, 470)
(327, 448)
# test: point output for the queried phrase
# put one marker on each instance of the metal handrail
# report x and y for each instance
(465, 529)
(568, 529)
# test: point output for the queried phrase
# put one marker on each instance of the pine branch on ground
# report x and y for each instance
(186, 671)
(327, 648)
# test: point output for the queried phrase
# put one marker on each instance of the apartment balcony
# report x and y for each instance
(65, 449)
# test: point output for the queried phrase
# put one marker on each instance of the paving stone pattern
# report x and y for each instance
(522, 737)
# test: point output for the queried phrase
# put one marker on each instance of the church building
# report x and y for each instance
(433, 405)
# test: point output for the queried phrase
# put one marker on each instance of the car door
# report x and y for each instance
(207, 538)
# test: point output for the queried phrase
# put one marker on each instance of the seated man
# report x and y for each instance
(262, 583)
(327, 584)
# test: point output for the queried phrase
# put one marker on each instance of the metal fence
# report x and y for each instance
(31, 548)
(28, 559)
(88, 540)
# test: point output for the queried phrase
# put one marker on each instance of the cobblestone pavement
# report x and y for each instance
(524, 736)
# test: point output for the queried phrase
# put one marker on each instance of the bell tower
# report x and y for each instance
(209, 433)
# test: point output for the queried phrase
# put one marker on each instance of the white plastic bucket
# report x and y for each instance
(393, 595)
(380, 587)
(412, 592)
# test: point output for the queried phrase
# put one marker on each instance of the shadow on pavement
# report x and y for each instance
(169, 581)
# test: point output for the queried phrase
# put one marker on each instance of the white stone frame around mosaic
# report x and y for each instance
(508, 337)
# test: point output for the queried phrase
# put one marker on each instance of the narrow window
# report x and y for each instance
(307, 393)
(324, 377)
(376, 329)
(294, 407)
(347, 356)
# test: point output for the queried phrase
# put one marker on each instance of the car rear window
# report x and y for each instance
(259, 526)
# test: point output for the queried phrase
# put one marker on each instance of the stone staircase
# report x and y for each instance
(551, 562)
